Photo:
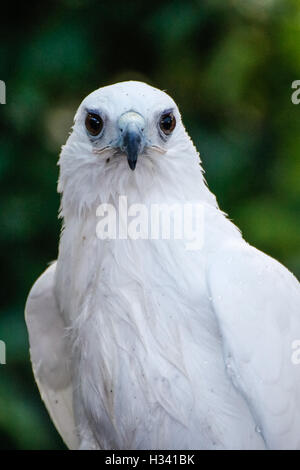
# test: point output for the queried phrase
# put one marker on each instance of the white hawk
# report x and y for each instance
(139, 343)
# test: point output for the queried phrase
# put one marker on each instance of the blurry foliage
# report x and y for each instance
(228, 64)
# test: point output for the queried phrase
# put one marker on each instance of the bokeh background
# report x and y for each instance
(228, 64)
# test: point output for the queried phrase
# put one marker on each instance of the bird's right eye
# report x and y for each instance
(94, 124)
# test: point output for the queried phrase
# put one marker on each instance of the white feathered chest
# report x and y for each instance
(147, 351)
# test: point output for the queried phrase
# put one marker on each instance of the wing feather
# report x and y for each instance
(257, 303)
(49, 355)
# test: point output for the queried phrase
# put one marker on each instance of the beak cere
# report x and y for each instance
(132, 140)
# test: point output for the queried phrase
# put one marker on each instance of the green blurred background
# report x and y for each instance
(228, 64)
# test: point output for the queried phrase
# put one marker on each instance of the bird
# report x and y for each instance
(141, 342)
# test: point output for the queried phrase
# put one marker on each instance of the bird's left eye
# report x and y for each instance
(94, 123)
(167, 123)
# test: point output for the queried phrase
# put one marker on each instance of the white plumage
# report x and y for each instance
(141, 344)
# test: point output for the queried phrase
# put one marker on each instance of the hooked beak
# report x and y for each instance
(132, 140)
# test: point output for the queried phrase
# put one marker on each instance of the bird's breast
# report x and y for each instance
(147, 348)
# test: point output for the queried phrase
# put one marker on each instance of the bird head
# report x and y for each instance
(125, 136)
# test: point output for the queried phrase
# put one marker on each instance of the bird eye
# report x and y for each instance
(167, 123)
(94, 123)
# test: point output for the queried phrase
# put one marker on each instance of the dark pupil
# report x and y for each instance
(167, 122)
(94, 123)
